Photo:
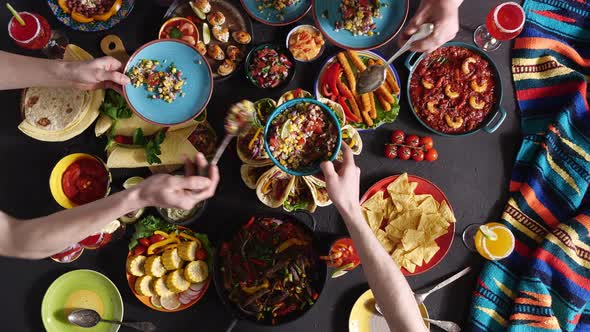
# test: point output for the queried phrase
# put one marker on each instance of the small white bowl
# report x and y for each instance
(308, 26)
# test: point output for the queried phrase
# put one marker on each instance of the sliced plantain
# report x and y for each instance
(135, 265)
(153, 266)
(143, 286)
(171, 260)
(196, 272)
(175, 281)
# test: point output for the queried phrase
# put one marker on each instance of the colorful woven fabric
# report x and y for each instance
(545, 284)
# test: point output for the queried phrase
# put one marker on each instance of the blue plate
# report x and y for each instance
(393, 16)
(271, 16)
(198, 84)
(66, 19)
(314, 168)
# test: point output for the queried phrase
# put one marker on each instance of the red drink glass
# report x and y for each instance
(504, 22)
(36, 34)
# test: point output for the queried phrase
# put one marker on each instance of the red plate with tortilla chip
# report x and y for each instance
(429, 223)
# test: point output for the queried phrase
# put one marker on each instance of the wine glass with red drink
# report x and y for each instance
(504, 22)
(32, 31)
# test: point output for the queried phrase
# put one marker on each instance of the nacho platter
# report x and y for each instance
(420, 233)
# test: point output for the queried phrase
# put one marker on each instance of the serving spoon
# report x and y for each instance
(374, 76)
(89, 318)
(238, 120)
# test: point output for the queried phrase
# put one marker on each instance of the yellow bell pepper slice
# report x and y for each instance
(164, 234)
(290, 242)
(254, 289)
(152, 249)
(188, 237)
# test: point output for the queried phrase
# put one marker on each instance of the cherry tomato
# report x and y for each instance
(417, 154)
(412, 140)
(398, 137)
(431, 155)
(139, 250)
(201, 254)
(426, 142)
(144, 242)
(156, 238)
(404, 152)
(390, 151)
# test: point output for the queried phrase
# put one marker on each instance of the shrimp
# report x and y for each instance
(189, 39)
(187, 29)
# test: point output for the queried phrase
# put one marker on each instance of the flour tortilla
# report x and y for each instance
(174, 148)
(58, 114)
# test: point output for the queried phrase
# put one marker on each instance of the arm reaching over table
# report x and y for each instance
(20, 71)
(45, 236)
(390, 288)
(444, 14)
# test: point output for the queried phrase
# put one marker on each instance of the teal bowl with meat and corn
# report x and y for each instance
(300, 134)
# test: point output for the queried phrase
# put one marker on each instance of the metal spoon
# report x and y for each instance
(422, 296)
(374, 76)
(89, 318)
(445, 325)
(239, 118)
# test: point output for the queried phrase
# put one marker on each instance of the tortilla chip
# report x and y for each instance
(394, 233)
(446, 213)
(412, 238)
(373, 218)
(408, 265)
(420, 198)
(429, 205)
(375, 202)
(400, 186)
(416, 256)
(174, 148)
(429, 250)
(398, 255)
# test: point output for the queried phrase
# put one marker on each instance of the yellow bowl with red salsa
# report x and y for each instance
(300, 134)
(78, 179)
(269, 66)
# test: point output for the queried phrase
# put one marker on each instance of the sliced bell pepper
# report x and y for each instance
(152, 248)
(110, 13)
(81, 18)
(250, 222)
(251, 143)
(329, 79)
(254, 289)
(64, 6)
(171, 246)
(349, 115)
(188, 237)
(290, 242)
(164, 234)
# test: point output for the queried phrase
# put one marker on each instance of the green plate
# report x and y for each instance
(81, 289)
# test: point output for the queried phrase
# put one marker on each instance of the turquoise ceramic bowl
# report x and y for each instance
(271, 16)
(198, 85)
(496, 116)
(93, 26)
(314, 168)
(393, 16)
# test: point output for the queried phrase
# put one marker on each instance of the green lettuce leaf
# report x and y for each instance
(147, 226)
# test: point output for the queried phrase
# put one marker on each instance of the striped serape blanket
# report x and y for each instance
(545, 284)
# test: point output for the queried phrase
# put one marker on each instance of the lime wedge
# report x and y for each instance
(285, 132)
(197, 11)
(206, 34)
(488, 233)
(132, 181)
(339, 272)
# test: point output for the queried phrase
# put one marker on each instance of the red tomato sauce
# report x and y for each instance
(343, 252)
(453, 90)
(85, 181)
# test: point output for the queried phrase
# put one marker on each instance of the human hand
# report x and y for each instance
(444, 14)
(343, 185)
(183, 192)
(101, 73)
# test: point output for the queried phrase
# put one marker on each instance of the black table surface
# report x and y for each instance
(472, 171)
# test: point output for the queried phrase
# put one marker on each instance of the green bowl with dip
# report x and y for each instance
(81, 289)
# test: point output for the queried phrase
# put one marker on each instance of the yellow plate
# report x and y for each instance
(364, 317)
(57, 173)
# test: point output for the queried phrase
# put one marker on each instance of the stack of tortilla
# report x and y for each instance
(59, 114)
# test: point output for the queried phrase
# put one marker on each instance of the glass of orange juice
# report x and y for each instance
(493, 241)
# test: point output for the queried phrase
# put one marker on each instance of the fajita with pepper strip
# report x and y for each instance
(267, 269)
